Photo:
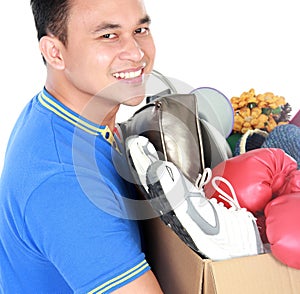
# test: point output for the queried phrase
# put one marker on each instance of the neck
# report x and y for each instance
(96, 109)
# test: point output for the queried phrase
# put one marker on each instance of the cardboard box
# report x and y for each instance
(180, 270)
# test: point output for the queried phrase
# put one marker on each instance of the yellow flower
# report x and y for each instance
(269, 100)
(249, 119)
(256, 111)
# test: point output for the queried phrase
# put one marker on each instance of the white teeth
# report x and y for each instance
(127, 75)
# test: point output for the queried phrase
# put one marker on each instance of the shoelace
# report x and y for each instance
(204, 178)
(242, 213)
(232, 200)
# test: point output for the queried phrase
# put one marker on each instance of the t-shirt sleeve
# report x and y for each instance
(94, 250)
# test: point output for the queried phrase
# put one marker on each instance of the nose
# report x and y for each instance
(131, 50)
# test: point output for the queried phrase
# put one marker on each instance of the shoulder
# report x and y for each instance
(90, 244)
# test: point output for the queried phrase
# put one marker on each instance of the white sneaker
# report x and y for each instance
(141, 154)
(206, 226)
(217, 232)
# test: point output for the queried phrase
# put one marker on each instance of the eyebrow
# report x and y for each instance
(144, 20)
(107, 26)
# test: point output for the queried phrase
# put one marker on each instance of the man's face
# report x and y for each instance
(108, 43)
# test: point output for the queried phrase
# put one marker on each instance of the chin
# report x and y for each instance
(134, 101)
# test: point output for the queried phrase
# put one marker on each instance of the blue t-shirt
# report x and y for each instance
(63, 221)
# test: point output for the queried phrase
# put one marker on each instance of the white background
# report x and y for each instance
(231, 45)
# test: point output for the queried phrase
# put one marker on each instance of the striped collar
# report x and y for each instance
(52, 104)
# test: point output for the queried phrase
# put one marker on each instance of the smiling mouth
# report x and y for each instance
(128, 75)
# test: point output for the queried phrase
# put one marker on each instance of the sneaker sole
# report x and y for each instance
(163, 207)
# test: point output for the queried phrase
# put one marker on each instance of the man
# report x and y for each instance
(63, 225)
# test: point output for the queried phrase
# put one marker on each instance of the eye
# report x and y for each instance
(142, 31)
(109, 36)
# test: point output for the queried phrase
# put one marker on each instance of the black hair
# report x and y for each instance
(51, 17)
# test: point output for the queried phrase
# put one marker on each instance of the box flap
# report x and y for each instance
(248, 275)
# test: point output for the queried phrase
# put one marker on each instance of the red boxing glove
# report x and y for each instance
(282, 228)
(256, 176)
(292, 183)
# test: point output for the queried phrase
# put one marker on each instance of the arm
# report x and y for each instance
(146, 284)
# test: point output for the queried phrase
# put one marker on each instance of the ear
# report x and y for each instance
(50, 48)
